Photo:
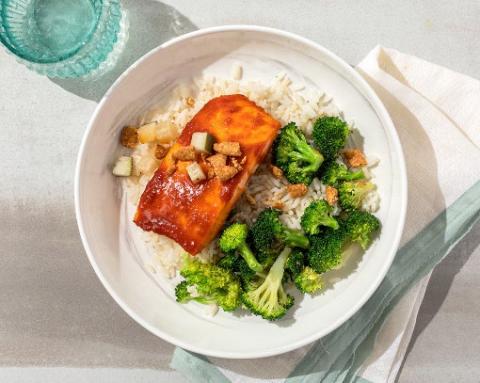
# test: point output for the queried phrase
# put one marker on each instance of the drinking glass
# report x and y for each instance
(63, 38)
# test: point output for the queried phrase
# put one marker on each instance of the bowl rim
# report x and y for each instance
(388, 125)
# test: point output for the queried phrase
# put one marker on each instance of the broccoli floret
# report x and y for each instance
(292, 153)
(245, 273)
(233, 239)
(317, 214)
(212, 284)
(266, 257)
(334, 173)
(249, 279)
(268, 228)
(330, 135)
(325, 251)
(181, 292)
(229, 261)
(308, 281)
(352, 193)
(361, 226)
(270, 300)
(295, 263)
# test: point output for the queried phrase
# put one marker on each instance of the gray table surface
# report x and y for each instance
(49, 295)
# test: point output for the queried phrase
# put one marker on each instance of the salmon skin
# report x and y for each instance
(193, 213)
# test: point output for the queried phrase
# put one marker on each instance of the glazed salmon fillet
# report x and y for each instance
(193, 213)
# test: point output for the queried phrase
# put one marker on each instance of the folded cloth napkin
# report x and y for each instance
(437, 116)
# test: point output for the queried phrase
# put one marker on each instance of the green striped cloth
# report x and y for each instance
(436, 115)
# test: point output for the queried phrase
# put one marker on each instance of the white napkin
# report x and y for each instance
(437, 115)
(446, 104)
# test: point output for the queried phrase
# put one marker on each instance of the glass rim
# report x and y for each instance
(28, 58)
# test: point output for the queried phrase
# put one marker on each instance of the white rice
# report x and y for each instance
(284, 101)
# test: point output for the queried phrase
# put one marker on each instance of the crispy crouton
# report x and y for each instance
(276, 171)
(210, 171)
(217, 160)
(160, 151)
(185, 153)
(276, 204)
(218, 163)
(228, 148)
(354, 158)
(331, 195)
(236, 164)
(297, 190)
(129, 137)
(225, 172)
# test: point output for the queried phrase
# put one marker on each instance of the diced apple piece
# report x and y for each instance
(202, 142)
(123, 167)
(144, 160)
(166, 132)
(195, 172)
(146, 165)
(147, 133)
(160, 131)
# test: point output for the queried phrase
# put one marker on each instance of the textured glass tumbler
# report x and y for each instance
(64, 38)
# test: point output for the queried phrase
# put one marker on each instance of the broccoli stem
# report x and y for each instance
(358, 175)
(249, 257)
(330, 222)
(295, 238)
(275, 274)
(270, 299)
(204, 300)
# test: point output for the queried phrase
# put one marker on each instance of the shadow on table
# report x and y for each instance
(54, 310)
(151, 23)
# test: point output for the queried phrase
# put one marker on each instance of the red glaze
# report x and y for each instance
(192, 214)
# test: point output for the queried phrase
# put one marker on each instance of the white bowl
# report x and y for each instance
(97, 202)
